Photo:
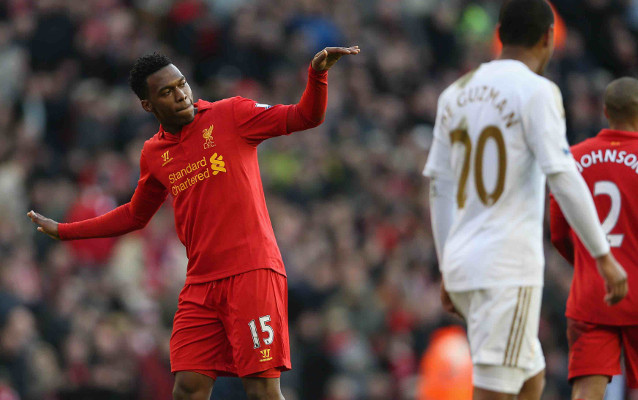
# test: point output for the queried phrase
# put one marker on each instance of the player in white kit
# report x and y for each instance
(499, 132)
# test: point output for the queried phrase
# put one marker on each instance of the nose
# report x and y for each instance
(180, 95)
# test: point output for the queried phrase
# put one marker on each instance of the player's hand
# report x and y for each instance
(447, 302)
(615, 277)
(45, 225)
(327, 57)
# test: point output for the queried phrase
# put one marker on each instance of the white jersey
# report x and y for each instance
(498, 130)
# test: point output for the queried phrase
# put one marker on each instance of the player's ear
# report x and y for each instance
(605, 112)
(146, 105)
(548, 37)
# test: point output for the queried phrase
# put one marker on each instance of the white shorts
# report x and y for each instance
(502, 326)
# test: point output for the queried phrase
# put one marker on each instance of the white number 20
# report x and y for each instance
(264, 328)
(611, 190)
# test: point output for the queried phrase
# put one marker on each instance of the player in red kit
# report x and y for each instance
(232, 316)
(596, 332)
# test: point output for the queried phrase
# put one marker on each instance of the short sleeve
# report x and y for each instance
(438, 163)
(257, 122)
(544, 126)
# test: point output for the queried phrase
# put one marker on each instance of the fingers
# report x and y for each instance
(321, 55)
(449, 307)
(342, 50)
(616, 292)
(35, 217)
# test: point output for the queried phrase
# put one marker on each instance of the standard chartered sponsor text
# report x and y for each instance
(607, 156)
(191, 179)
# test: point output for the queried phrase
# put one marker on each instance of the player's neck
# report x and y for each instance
(525, 55)
(173, 129)
(624, 126)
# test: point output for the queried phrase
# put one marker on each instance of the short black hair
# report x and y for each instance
(143, 67)
(523, 22)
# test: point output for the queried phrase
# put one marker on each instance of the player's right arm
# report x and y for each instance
(545, 135)
(442, 186)
(147, 199)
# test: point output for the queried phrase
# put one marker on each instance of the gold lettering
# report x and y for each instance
(461, 100)
(493, 95)
(472, 95)
(510, 119)
(501, 105)
(482, 93)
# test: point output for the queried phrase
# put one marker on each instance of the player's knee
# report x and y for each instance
(190, 389)
(263, 393)
(589, 388)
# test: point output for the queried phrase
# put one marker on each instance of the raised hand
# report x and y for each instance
(327, 57)
(45, 225)
(615, 277)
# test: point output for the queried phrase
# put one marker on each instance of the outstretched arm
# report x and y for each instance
(148, 197)
(257, 122)
(311, 109)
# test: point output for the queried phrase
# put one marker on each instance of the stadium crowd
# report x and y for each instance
(91, 319)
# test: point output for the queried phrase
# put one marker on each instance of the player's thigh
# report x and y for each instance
(199, 341)
(533, 387)
(191, 385)
(630, 347)
(502, 331)
(593, 349)
(589, 387)
(484, 394)
(256, 321)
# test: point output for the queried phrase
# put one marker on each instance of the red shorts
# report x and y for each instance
(595, 350)
(236, 326)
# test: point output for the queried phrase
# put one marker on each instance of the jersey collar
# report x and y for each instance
(201, 106)
(614, 134)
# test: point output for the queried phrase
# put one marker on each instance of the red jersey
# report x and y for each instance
(609, 165)
(212, 172)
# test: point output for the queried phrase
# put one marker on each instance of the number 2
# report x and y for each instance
(611, 190)
(264, 328)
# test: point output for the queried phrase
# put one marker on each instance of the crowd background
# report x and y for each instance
(92, 319)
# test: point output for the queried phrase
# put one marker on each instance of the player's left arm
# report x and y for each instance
(257, 122)
(560, 231)
(544, 127)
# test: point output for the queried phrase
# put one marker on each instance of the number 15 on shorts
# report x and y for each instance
(264, 328)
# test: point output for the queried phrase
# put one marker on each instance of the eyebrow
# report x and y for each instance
(170, 86)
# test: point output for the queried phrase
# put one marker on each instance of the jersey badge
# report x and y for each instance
(264, 106)
(207, 134)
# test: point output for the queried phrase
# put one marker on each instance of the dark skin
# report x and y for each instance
(170, 99)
